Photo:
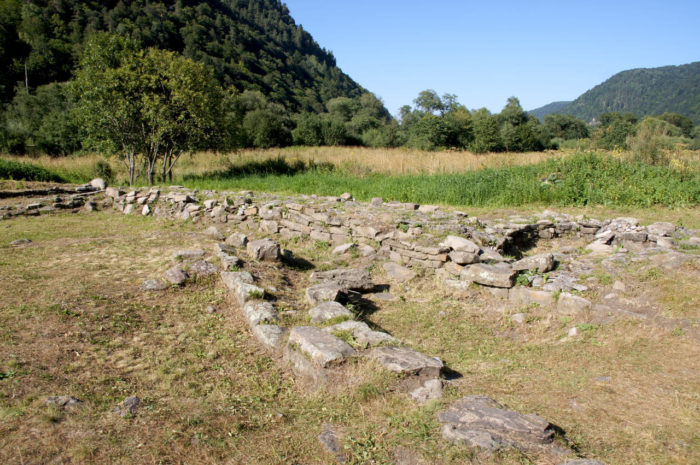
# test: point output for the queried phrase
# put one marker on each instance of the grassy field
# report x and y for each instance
(73, 322)
(448, 178)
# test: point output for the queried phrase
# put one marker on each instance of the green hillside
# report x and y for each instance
(643, 91)
(250, 44)
(548, 109)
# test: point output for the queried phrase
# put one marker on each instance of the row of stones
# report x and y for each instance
(312, 352)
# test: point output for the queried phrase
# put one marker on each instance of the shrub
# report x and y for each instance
(26, 172)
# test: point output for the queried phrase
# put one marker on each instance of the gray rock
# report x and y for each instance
(98, 183)
(464, 258)
(362, 333)
(176, 275)
(366, 250)
(344, 248)
(212, 232)
(346, 196)
(481, 422)
(460, 244)
(489, 275)
(65, 402)
(128, 407)
(154, 285)
(146, 210)
(569, 304)
(18, 242)
(328, 311)
(356, 279)
(490, 255)
(202, 268)
(518, 318)
(542, 263)
(246, 292)
(322, 348)
(407, 361)
(113, 192)
(525, 296)
(325, 292)
(398, 273)
(188, 254)
(431, 389)
(260, 312)
(232, 279)
(237, 239)
(376, 201)
(264, 249)
(210, 309)
(270, 336)
(330, 442)
(661, 229)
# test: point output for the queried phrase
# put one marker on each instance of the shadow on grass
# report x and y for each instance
(273, 167)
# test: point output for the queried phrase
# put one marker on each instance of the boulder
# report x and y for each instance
(356, 279)
(429, 390)
(327, 311)
(541, 262)
(489, 275)
(237, 239)
(264, 250)
(480, 421)
(232, 279)
(460, 244)
(344, 248)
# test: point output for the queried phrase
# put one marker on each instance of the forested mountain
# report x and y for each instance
(250, 44)
(643, 91)
(548, 109)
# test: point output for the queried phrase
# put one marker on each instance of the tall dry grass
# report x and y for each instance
(351, 160)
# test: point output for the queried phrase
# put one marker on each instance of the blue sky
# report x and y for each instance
(487, 51)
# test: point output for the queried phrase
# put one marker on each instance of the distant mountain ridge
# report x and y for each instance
(642, 91)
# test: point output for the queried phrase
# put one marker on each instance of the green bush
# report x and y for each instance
(26, 172)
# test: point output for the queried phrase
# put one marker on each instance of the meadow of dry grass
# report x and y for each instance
(74, 322)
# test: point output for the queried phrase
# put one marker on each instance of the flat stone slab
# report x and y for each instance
(464, 258)
(489, 275)
(481, 422)
(570, 304)
(270, 336)
(407, 361)
(526, 295)
(232, 279)
(398, 273)
(260, 312)
(323, 349)
(362, 333)
(542, 263)
(356, 279)
(327, 311)
(202, 268)
(154, 285)
(325, 292)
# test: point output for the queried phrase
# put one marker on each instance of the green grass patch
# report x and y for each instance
(582, 179)
(18, 171)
